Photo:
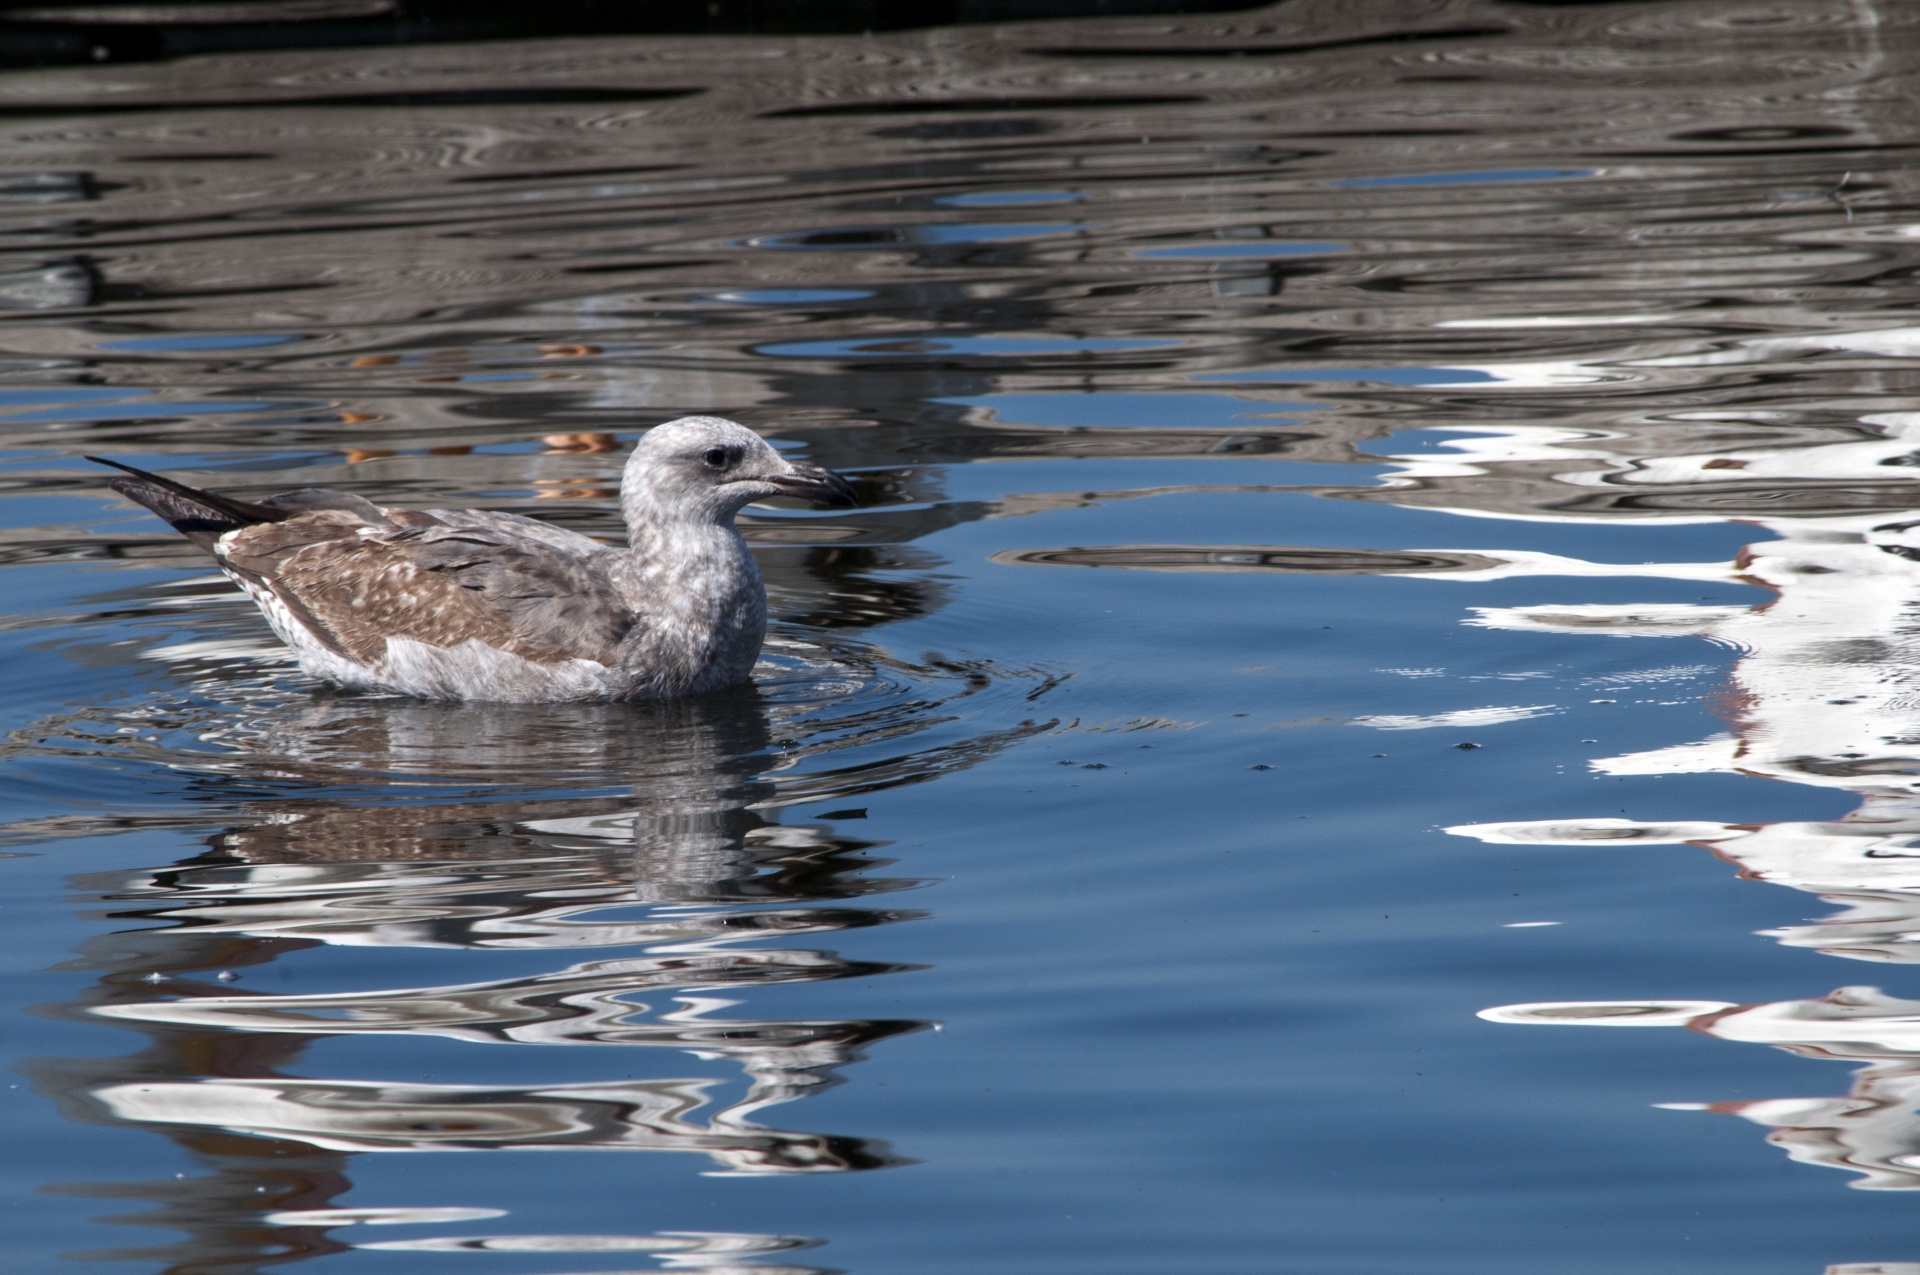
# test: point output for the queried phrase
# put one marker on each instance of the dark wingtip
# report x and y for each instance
(241, 511)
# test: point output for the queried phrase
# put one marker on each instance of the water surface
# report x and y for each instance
(1388, 538)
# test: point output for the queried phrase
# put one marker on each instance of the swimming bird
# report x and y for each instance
(474, 604)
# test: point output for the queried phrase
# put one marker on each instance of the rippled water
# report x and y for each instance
(1385, 528)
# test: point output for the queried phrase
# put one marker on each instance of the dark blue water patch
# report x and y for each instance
(50, 586)
(1228, 518)
(854, 239)
(1292, 648)
(935, 345)
(1010, 198)
(1413, 377)
(1227, 250)
(1144, 411)
(993, 232)
(1216, 858)
(78, 513)
(1596, 540)
(44, 878)
(31, 397)
(180, 344)
(1470, 179)
(786, 296)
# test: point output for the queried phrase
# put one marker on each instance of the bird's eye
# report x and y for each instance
(716, 458)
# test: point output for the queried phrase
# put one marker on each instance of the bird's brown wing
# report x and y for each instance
(356, 582)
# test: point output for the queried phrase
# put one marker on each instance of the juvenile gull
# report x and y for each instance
(471, 604)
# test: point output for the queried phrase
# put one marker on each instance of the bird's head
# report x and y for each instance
(705, 468)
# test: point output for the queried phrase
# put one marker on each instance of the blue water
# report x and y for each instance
(1272, 706)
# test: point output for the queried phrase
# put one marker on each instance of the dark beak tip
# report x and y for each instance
(840, 494)
(821, 486)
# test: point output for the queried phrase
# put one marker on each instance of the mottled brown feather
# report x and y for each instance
(365, 582)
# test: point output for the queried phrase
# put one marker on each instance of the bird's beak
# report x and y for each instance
(810, 482)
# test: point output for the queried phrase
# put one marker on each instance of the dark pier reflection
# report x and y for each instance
(682, 893)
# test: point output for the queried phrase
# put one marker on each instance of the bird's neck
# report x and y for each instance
(688, 550)
(699, 602)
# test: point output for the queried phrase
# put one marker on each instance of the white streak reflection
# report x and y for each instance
(1873, 1130)
(348, 1115)
(1492, 716)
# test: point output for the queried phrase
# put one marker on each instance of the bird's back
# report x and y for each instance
(443, 604)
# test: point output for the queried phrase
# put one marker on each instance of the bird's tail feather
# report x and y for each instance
(201, 516)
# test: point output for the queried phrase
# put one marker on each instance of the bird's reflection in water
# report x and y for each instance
(665, 885)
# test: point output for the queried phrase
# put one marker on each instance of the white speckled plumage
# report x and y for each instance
(481, 605)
